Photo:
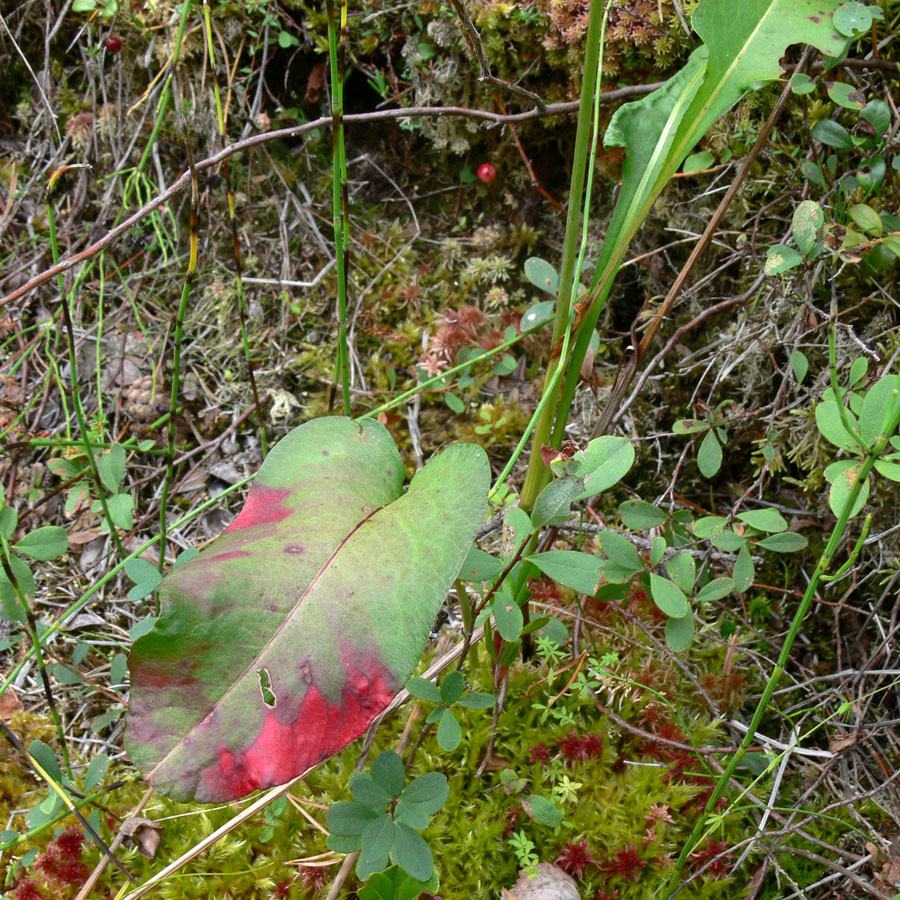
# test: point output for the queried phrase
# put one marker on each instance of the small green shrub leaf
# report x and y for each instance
(375, 846)
(348, 818)
(867, 219)
(388, 771)
(682, 569)
(696, 162)
(828, 421)
(111, 466)
(786, 542)
(412, 853)
(543, 811)
(799, 365)
(452, 687)
(477, 700)
(715, 590)
(690, 426)
(841, 485)
(537, 314)
(830, 133)
(507, 616)
(680, 633)
(606, 462)
(876, 406)
(657, 550)
(709, 456)
(553, 503)
(858, 369)
(845, 95)
(639, 515)
(853, 18)
(579, 571)
(454, 403)
(878, 114)
(709, 526)
(542, 275)
(424, 689)
(781, 258)
(668, 596)
(801, 83)
(46, 759)
(517, 529)
(728, 541)
(367, 791)
(96, 772)
(620, 550)
(743, 572)
(8, 521)
(888, 469)
(764, 519)
(480, 566)
(807, 223)
(449, 733)
(44, 543)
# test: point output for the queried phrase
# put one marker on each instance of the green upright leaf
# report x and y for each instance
(715, 590)
(424, 689)
(508, 616)
(449, 734)
(743, 573)
(328, 581)
(46, 759)
(828, 421)
(800, 365)
(111, 466)
(709, 456)
(682, 569)
(369, 792)
(876, 406)
(786, 542)
(807, 223)
(843, 476)
(430, 791)
(389, 772)
(8, 521)
(345, 818)
(375, 846)
(452, 687)
(830, 133)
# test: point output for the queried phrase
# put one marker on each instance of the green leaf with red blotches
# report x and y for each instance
(280, 642)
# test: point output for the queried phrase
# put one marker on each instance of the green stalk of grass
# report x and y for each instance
(65, 300)
(232, 217)
(339, 202)
(573, 247)
(835, 541)
(190, 275)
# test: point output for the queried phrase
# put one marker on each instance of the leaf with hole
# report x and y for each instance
(329, 579)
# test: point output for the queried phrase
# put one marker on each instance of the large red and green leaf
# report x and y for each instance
(281, 641)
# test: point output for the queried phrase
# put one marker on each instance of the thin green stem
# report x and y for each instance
(65, 300)
(33, 633)
(178, 339)
(236, 246)
(339, 202)
(536, 475)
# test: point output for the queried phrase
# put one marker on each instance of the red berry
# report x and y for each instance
(113, 44)
(487, 173)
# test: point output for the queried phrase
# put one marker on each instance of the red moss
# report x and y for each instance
(580, 748)
(540, 755)
(627, 862)
(574, 858)
(713, 856)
